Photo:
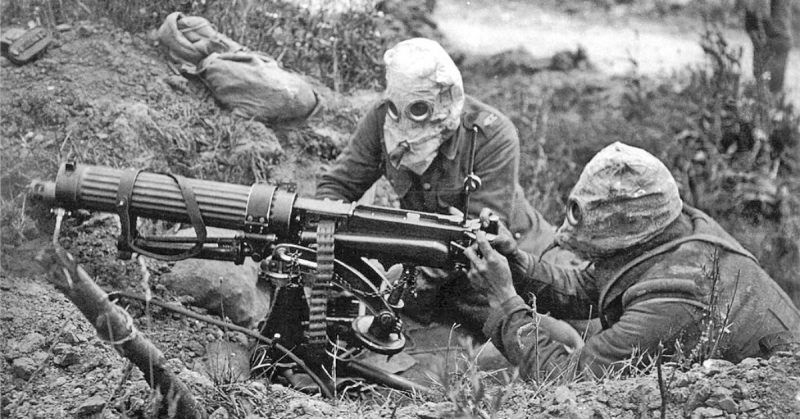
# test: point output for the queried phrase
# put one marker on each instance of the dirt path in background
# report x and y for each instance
(661, 48)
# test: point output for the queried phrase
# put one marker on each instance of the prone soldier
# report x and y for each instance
(660, 272)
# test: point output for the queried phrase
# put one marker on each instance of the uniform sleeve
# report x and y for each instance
(565, 292)
(531, 341)
(357, 167)
(497, 164)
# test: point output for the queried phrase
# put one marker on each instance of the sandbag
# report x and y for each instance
(190, 39)
(254, 86)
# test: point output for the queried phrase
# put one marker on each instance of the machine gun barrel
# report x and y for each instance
(263, 212)
(154, 195)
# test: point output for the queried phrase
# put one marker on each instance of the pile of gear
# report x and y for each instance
(250, 83)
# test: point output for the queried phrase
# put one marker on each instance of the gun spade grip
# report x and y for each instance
(154, 195)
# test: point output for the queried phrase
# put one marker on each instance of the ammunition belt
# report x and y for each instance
(318, 305)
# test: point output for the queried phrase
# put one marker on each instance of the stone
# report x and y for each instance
(682, 380)
(715, 366)
(748, 405)
(707, 412)
(91, 406)
(429, 410)
(749, 363)
(257, 386)
(562, 394)
(752, 375)
(193, 378)
(719, 391)
(66, 359)
(40, 357)
(29, 343)
(220, 413)
(307, 407)
(222, 288)
(24, 367)
(728, 405)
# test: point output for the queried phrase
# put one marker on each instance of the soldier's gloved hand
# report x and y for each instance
(504, 242)
(489, 271)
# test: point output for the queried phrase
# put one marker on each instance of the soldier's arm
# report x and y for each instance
(565, 292)
(532, 342)
(358, 166)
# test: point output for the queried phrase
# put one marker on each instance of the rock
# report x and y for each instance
(177, 83)
(749, 363)
(71, 338)
(222, 288)
(728, 404)
(430, 410)
(721, 392)
(747, 405)
(65, 355)
(193, 378)
(29, 343)
(257, 386)
(310, 408)
(741, 391)
(715, 366)
(220, 413)
(67, 359)
(707, 412)
(195, 347)
(682, 380)
(752, 375)
(40, 357)
(23, 367)
(91, 406)
(562, 394)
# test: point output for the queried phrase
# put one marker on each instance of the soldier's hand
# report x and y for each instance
(489, 271)
(504, 242)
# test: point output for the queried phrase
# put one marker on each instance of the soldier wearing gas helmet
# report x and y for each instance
(418, 136)
(661, 271)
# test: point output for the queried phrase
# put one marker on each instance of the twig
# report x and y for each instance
(115, 326)
(662, 388)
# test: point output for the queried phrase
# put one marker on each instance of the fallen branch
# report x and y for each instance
(115, 326)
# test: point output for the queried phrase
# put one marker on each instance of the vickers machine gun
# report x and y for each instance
(314, 252)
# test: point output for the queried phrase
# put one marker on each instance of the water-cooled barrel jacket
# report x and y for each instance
(658, 294)
(497, 155)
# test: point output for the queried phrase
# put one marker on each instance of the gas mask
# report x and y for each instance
(624, 197)
(424, 98)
